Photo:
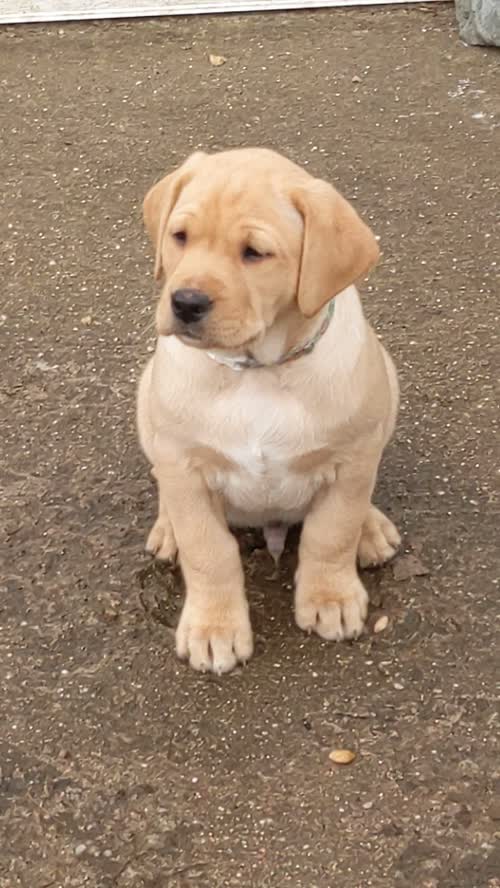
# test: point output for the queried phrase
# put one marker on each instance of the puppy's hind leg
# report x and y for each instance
(161, 540)
(380, 539)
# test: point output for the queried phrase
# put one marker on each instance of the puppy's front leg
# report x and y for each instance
(330, 599)
(214, 630)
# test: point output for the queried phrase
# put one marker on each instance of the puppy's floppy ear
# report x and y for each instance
(337, 249)
(160, 201)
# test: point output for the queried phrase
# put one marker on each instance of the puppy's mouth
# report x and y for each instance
(189, 336)
(195, 337)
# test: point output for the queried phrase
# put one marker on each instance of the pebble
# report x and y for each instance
(80, 849)
(381, 624)
(217, 60)
(342, 756)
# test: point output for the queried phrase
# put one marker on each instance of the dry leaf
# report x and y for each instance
(407, 566)
(381, 624)
(217, 60)
(342, 756)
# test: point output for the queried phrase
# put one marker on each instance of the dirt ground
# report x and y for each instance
(120, 767)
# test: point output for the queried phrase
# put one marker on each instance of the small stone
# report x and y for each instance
(356, 79)
(87, 320)
(80, 849)
(217, 60)
(342, 756)
(381, 624)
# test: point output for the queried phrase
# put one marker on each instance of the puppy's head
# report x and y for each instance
(244, 236)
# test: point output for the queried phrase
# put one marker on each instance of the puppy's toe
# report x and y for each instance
(161, 541)
(379, 539)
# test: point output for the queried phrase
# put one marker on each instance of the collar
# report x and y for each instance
(248, 362)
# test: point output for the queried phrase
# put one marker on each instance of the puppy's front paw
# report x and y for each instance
(334, 609)
(215, 639)
(161, 541)
(379, 539)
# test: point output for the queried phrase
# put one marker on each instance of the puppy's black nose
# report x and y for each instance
(190, 306)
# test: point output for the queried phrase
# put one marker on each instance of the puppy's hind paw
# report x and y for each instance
(161, 541)
(379, 539)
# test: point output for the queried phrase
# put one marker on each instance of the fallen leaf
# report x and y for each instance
(381, 624)
(342, 756)
(217, 60)
(407, 566)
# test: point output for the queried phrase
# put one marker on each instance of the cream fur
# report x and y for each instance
(295, 442)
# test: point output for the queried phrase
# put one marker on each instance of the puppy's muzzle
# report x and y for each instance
(190, 306)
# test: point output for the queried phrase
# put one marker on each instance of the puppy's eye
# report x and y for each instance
(249, 254)
(180, 237)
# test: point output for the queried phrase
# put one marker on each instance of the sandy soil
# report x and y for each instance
(120, 768)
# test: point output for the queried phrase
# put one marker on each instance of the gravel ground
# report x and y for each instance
(120, 768)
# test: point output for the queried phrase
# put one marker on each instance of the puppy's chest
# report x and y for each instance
(264, 441)
(263, 434)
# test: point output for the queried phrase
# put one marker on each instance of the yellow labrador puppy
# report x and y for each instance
(269, 399)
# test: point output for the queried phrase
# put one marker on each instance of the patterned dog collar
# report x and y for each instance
(248, 362)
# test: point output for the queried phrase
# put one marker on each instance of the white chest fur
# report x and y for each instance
(262, 430)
